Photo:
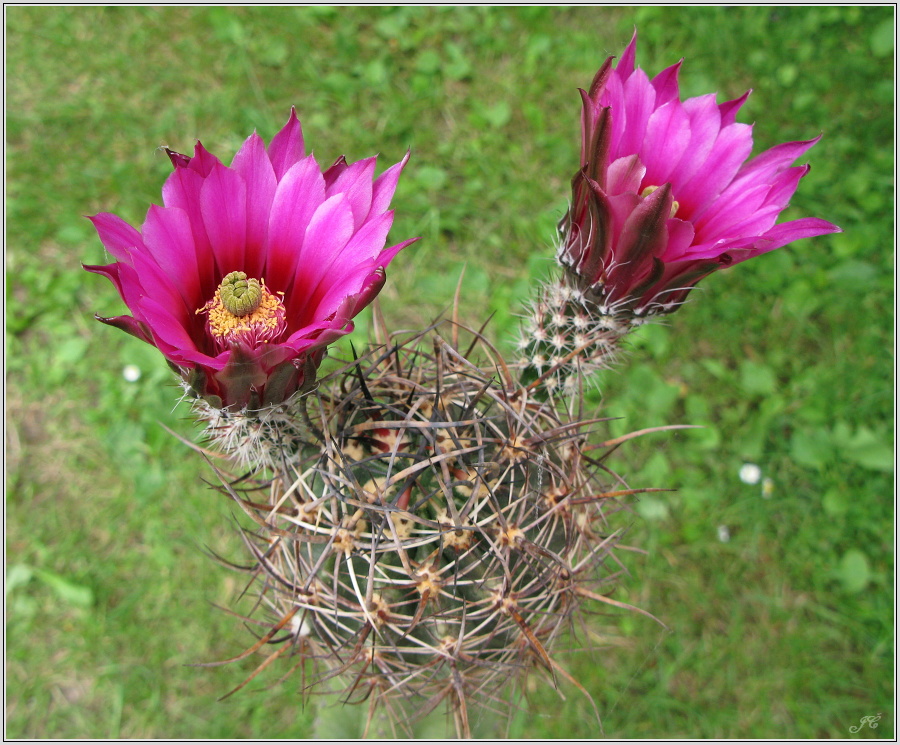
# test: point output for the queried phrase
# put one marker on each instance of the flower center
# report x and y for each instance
(240, 295)
(244, 310)
(650, 189)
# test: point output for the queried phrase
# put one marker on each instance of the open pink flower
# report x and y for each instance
(248, 272)
(664, 195)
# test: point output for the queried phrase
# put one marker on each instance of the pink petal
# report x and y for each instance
(335, 170)
(750, 207)
(223, 205)
(286, 148)
(369, 290)
(169, 333)
(110, 271)
(325, 330)
(644, 235)
(729, 109)
(366, 292)
(640, 99)
(668, 135)
(130, 288)
(365, 244)
(681, 236)
(784, 186)
(666, 84)
(253, 164)
(387, 255)
(732, 207)
(772, 161)
(203, 161)
(117, 236)
(358, 286)
(795, 230)
(351, 284)
(156, 284)
(127, 324)
(620, 207)
(705, 123)
(613, 96)
(731, 149)
(775, 197)
(626, 63)
(297, 197)
(599, 81)
(355, 182)
(326, 236)
(625, 175)
(754, 224)
(182, 191)
(167, 234)
(178, 160)
(385, 186)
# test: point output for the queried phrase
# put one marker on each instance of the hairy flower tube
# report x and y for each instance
(664, 196)
(247, 272)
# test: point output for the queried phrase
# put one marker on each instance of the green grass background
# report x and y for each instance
(784, 630)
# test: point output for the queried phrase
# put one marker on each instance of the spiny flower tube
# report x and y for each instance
(664, 196)
(246, 273)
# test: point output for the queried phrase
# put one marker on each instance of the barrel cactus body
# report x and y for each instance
(438, 531)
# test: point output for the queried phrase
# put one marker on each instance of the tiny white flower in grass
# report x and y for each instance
(750, 473)
(131, 373)
(723, 534)
(768, 488)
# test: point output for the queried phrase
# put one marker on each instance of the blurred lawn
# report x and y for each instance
(785, 630)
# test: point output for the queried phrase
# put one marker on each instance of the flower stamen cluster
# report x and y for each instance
(245, 311)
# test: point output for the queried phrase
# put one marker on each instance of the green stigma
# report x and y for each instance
(240, 296)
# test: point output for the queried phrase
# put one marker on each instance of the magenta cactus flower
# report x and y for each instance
(664, 196)
(246, 273)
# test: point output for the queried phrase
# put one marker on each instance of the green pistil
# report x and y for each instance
(240, 296)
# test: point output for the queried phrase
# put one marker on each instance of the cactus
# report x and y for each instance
(428, 519)
(438, 530)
